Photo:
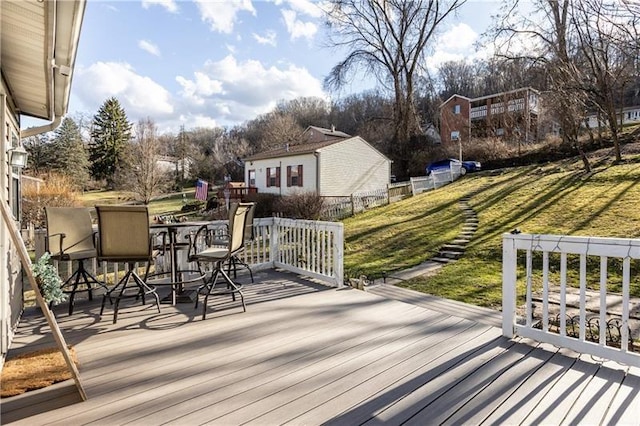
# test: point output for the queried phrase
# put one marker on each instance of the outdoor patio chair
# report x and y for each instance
(124, 236)
(205, 250)
(249, 235)
(70, 237)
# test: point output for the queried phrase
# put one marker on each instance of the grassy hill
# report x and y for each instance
(554, 198)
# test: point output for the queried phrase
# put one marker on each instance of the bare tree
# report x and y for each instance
(544, 35)
(389, 40)
(606, 66)
(145, 177)
(458, 77)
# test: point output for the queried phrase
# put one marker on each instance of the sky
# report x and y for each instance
(208, 63)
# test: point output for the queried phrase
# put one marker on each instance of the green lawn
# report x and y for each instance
(171, 203)
(555, 198)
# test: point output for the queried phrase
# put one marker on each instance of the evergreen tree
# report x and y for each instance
(110, 136)
(68, 153)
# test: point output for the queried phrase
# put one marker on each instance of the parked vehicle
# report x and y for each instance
(446, 164)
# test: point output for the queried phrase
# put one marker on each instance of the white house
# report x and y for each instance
(629, 115)
(328, 162)
(39, 41)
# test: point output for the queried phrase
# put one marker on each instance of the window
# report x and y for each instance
(455, 135)
(456, 109)
(500, 131)
(252, 178)
(273, 176)
(294, 175)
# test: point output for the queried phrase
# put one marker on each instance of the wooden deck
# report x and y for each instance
(308, 354)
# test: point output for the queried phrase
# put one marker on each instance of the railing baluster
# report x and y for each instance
(529, 307)
(624, 333)
(603, 301)
(563, 294)
(545, 291)
(583, 297)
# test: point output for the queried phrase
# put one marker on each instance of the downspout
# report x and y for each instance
(317, 155)
(51, 60)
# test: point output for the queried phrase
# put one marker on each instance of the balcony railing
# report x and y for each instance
(553, 269)
(312, 248)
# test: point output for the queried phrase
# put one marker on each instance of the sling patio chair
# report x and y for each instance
(124, 236)
(204, 249)
(249, 235)
(70, 237)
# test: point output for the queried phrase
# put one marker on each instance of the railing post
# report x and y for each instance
(509, 276)
(338, 255)
(274, 245)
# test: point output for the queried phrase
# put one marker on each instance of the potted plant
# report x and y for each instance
(48, 280)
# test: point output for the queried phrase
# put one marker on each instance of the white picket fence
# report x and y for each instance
(435, 180)
(545, 260)
(312, 248)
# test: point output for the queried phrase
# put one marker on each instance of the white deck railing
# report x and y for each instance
(306, 247)
(553, 265)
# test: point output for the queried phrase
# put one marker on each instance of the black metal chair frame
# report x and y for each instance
(205, 233)
(81, 276)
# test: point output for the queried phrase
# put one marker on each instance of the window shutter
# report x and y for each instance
(288, 175)
(278, 177)
(268, 176)
(300, 175)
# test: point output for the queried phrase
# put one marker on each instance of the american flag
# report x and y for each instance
(202, 187)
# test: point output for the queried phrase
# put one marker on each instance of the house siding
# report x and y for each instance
(309, 177)
(11, 285)
(352, 166)
(630, 115)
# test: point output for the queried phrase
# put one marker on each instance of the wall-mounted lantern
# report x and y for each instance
(18, 157)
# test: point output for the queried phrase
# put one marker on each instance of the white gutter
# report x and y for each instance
(32, 131)
(51, 61)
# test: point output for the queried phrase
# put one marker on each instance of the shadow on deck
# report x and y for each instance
(304, 353)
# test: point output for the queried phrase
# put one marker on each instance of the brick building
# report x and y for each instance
(513, 115)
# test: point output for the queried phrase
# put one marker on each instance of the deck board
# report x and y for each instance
(304, 353)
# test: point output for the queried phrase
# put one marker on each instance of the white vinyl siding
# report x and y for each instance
(352, 166)
(307, 161)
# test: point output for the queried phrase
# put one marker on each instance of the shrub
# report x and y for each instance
(265, 204)
(305, 205)
(192, 206)
(56, 191)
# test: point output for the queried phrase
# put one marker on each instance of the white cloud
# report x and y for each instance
(222, 15)
(235, 91)
(149, 47)
(457, 44)
(170, 5)
(139, 96)
(305, 7)
(269, 38)
(459, 37)
(201, 87)
(296, 27)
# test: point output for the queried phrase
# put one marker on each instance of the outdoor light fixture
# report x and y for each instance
(18, 157)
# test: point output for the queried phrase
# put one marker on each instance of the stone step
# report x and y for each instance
(450, 254)
(460, 241)
(443, 260)
(453, 247)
